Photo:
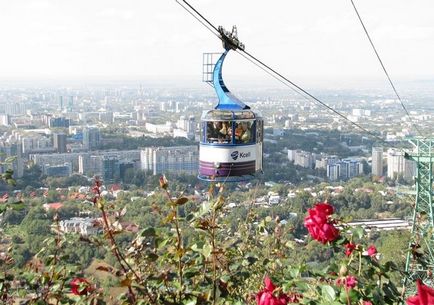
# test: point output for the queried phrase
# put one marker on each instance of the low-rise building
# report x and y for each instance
(83, 226)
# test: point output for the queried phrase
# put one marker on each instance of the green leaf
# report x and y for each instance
(195, 248)
(3, 207)
(152, 257)
(206, 250)
(10, 159)
(294, 272)
(190, 302)
(328, 293)
(250, 260)
(181, 201)
(206, 206)
(351, 294)
(150, 231)
(17, 206)
(358, 232)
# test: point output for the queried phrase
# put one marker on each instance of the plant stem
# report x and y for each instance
(119, 257)
(214, 259)
(179, 249)
(115, 248)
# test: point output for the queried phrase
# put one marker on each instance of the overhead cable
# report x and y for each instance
(384, 68)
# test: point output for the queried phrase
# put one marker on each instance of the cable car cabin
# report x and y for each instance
(230, 145)
(231, 137)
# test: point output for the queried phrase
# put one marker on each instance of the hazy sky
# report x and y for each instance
(304, 39)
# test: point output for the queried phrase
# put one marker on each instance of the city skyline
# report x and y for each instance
(306, 40)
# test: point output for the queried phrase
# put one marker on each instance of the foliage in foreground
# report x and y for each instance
(194, 257)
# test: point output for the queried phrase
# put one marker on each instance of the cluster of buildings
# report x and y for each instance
(53, 145)
(390, 163)
(59, 128)
(53, 126)
(336, 168)
(61, 148)
(112, 165)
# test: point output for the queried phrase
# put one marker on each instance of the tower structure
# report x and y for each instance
(59, 142)
(91, 138)
(377, 161)
(420, 255)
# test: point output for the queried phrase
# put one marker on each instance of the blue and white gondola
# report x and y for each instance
(231, 143)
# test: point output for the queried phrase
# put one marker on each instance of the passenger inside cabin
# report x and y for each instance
(247, 134)
(219, 132)
(238, 133)
(225, 133)
(213, 131)
(243, 133)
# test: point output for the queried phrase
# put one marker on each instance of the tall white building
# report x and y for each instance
(185, 127)
(398, 165)
(377, 161)
(5, 120)
(178, 159)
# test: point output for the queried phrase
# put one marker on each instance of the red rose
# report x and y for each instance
(349, 281)
(319, 225)
(367, 303)
(424, 296)
(324, 208)
(349, 248)
(80, 286)
(266, 296)
(372, 251)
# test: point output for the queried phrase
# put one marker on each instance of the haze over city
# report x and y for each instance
(316, 41)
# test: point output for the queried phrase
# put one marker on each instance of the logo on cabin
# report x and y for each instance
(234, 155)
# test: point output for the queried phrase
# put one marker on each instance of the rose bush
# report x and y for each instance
(194, 256)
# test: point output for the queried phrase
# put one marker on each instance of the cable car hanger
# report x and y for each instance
(226, 99)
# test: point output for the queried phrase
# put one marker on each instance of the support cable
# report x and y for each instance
(273, 76)
(210, 27)
(200, 15)
(289, 82)
(384, 68)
